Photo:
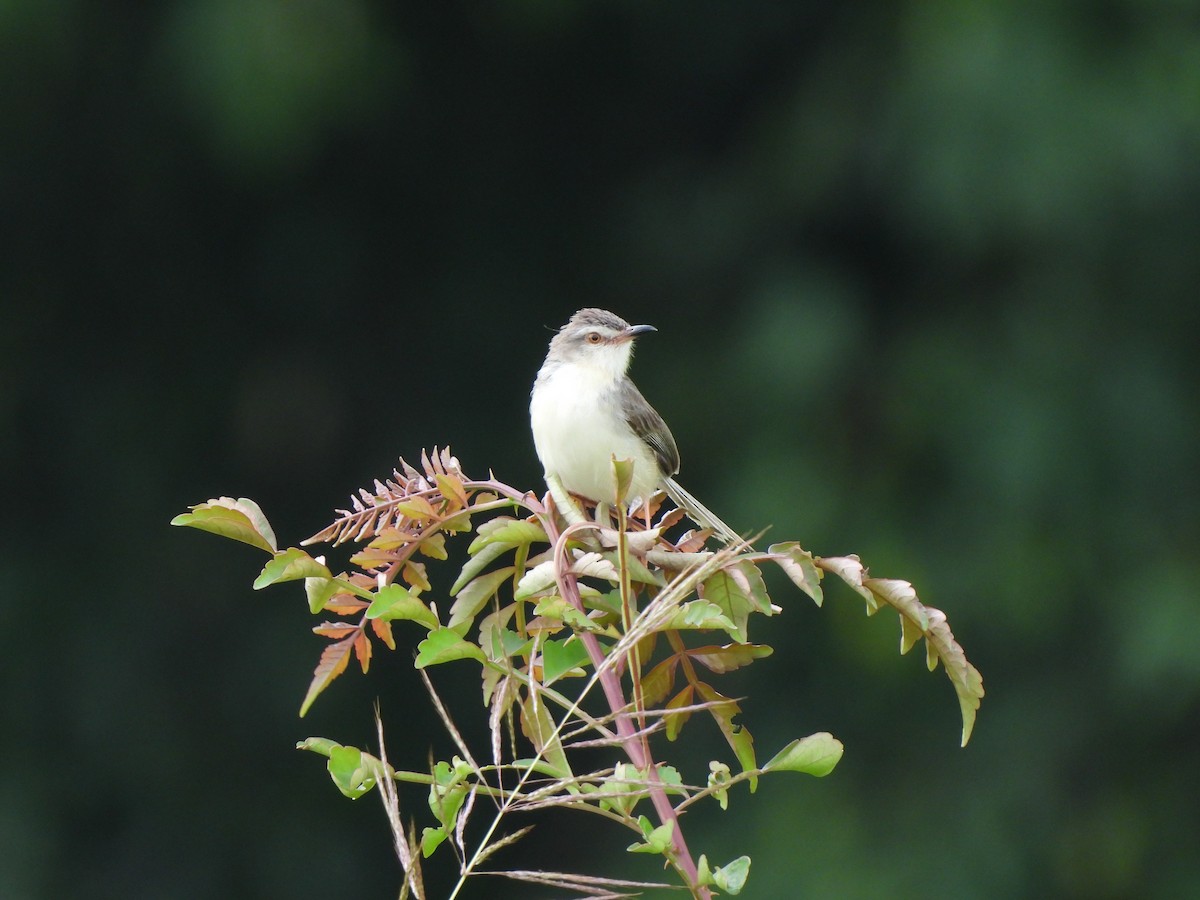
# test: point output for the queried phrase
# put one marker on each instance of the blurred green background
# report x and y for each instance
(925, 275)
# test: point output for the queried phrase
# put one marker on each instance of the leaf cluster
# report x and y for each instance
(585, 634)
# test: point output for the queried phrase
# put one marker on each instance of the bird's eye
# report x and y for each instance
(593, 337)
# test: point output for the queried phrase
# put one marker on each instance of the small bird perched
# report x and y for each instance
(585, 411)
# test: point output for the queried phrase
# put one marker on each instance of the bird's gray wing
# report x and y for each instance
(650, 427)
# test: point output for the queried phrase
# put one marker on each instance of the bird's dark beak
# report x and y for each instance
(634, 330)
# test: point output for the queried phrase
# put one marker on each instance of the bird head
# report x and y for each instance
(598, 339)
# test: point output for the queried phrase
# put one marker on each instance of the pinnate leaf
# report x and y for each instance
(593, 565)
(940, 644)
(917, 621)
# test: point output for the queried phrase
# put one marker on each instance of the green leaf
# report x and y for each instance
(723, 709)
(507, 530)
(559, 608)
(290, 565)
(622, 478)
(732, 599)
(394, 601)
(431, 839)
(349, 773)
(320, 745)
(447, 793)
(477, 564)
(729, 657)
(658, 840)
(475, 595)
(699, 615)
(560, 657)
(731, 878)
(816, 755)
(800, 566)
(416, 508)
(444, 645)
(718, 777)
(637, 569)
(537, 725)
(433, 546)
(319, 590)
(676, 720)
(538, 579)
(240, 520)
(451, 487)
(743, 747)
(596, 565)
(657, 683)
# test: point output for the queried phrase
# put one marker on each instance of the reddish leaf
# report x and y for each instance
(657, 683)
(362, 649)
(383, 631)
(334, 629)
(676, 720)
(333, 662)
(345, 604)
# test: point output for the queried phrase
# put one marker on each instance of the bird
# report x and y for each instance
(585, 412)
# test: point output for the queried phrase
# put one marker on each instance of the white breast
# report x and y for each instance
(577, 430)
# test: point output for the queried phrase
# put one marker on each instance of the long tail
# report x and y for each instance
(699, 513)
